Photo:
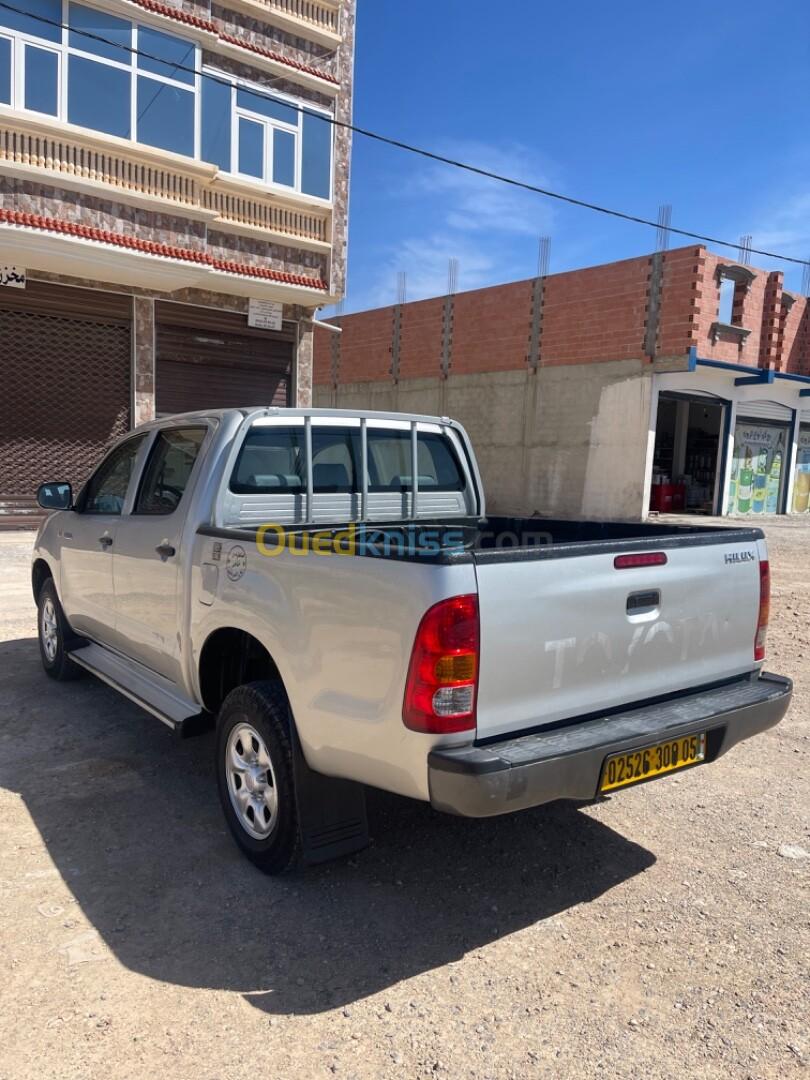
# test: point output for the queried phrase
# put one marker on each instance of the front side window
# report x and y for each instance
(106, 489)
(168, 470)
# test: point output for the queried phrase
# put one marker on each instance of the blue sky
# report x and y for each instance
(628, 104)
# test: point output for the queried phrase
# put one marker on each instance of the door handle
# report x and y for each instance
(165, 551)
(105, 541)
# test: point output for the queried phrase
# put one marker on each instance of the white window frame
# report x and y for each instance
(9, 37)
(65, 50)
(270, 124)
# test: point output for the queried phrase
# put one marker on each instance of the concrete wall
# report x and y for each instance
(570, 440)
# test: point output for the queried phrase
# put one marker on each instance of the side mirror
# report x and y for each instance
(57, 496)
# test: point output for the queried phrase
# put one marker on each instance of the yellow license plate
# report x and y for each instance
(634, 766)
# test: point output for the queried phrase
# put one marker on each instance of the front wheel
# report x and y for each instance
(53, 632)
(255, 775)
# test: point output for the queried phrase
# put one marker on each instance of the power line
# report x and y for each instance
(431, 155)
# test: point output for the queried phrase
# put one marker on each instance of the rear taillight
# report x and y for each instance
(764, 609)
(440, 694)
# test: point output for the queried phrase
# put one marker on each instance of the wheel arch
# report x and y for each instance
(40, 572)
(231, 656)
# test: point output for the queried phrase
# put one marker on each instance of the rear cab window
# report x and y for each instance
(272, 461)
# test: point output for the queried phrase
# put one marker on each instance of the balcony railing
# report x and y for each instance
(320, 16)
(116, 170)
(323, 15)
(33, 153)
(266, 215)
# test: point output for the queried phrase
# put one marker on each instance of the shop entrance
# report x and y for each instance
(686, 465)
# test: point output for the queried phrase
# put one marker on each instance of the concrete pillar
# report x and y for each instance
(303, 365)
(143, 360)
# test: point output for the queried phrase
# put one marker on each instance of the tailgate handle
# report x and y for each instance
(639, 602)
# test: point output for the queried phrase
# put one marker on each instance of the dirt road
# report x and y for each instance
(659, 934)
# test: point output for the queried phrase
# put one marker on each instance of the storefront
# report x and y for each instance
(688, 452)
(729, 439)
(762, 437)
(801, 474)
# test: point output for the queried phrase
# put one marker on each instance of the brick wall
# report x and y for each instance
(595, 315)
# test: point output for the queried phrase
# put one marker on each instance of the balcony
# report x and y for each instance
(315, 20)
(107, 167)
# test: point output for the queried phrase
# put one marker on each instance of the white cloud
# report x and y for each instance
(438, 212)
(474, 203)
(785, 227)
(425, 261)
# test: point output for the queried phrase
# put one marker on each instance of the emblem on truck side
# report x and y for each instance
(236, 563)
(740, 556)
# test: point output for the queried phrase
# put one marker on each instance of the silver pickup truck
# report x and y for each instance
(327, 590)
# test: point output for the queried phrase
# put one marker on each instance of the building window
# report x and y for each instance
(108, 74)
(264, 137)
(726, 310)
(733, 283)
(41, 80)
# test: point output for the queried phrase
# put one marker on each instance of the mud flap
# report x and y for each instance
(331, 812)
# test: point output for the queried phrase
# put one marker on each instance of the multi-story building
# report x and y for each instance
(173, 212)
(674, 381)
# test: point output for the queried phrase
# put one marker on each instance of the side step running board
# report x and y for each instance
(179, 713)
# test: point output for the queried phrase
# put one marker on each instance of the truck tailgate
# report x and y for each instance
(565, 633)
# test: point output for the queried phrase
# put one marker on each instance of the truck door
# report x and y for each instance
(87, 537)
(148, 555)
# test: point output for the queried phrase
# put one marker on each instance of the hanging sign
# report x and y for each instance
(12, 277)
(265, 314)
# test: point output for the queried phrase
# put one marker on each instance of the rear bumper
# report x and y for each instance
(566, 762)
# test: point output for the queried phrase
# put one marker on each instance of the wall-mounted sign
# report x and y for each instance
(12, 277)
(265, 314)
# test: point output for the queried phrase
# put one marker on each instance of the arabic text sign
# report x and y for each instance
(265, 314)
(12, 277)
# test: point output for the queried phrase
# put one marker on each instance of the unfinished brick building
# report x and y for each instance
(673, 381)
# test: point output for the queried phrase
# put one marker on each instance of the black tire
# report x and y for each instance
(262, 706)
(53, 646)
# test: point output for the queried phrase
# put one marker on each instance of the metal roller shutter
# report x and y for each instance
(65, 378)
(764, 410)
(209, 359)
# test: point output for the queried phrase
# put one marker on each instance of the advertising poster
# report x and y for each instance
(801, 479)
(756, 469)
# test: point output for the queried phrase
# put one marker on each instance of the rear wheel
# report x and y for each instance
(255, 775)
(54, 634)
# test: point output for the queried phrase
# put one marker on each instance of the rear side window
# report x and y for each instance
(168, 470)
(389, 454)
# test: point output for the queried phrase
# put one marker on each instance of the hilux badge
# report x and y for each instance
(740, 556)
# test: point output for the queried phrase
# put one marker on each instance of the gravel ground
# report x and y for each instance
(658, 934)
